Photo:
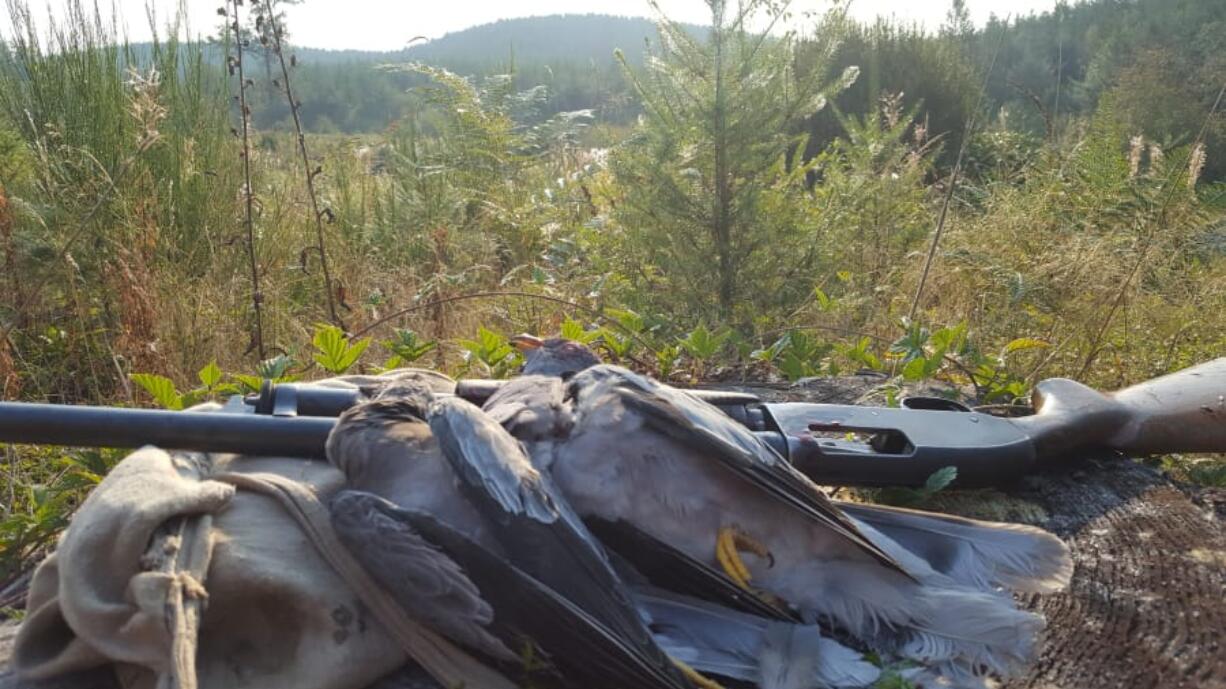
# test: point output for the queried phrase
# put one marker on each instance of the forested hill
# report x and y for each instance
(570, 54)
(562, 38)
(1159, 58)
(554, 39)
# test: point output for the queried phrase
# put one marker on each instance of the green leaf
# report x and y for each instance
(628, 319)
(793, 367)
(915, 369)
(940, 479)
(406, 346)
(161, 388)
(1023, 343)
(210, 375)
(911, 345)
(248, 383)
(823, 301)
(619, 346)
(334, 352)
(666, 360)
(572, 330)
(702, 344)
(947, 339)
(491, 350)
(276, 368)
(193, 397)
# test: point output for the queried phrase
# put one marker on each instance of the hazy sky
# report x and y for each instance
(389, 24)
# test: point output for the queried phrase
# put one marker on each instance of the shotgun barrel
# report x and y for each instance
(85, 426)
(832, 443)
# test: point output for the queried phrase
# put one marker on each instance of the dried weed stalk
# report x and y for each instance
(235, 67)
(270, 36)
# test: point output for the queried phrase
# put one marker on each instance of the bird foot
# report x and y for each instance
(729, 545)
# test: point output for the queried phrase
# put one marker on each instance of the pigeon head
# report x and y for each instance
(555, 356)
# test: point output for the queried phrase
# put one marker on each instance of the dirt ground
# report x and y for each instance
(1147, 604)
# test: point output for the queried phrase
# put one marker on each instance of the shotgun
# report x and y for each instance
(834, 444)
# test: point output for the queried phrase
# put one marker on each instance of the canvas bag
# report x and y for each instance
(218, 571)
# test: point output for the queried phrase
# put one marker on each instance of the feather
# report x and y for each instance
(977, 553)
(589, 652)
(536, 528)
(697, 424)
(427, 583)
(770, 653)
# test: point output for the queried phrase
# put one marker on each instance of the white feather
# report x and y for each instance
(977, 553)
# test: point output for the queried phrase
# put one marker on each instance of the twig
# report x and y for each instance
(275, 31)
(257, 296)
(953, 175)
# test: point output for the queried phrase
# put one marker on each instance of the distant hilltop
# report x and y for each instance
(585, 38)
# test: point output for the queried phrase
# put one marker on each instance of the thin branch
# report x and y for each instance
(257, 296)
(953, 176)
(275, 31)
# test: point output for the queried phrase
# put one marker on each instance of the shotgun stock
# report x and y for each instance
(1181, 412)
(1184, 411)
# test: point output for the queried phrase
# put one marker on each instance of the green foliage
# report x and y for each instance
(797, 355)
(666, 360)
(45, 487)
(276, 369)
(334, 352)
(702, 344)
(406, 347)
(710, 174)
(164, 392)
(938, 481)
(16, 163)
(574, 330)
(492, 354)
(161, 388)
(922, 353)
(861, 354)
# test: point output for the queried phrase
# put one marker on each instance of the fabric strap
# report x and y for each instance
(446, 662)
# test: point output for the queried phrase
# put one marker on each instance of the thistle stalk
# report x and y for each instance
(274, 30)
(236, 67)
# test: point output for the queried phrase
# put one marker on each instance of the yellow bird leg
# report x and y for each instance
(696, 677)
(729, 545)
(728, 557)
(746, 543)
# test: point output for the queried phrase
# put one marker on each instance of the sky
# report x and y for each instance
(390, 24)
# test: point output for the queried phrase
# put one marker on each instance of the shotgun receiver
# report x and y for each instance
(832, 443)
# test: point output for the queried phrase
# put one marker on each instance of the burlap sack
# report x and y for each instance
(179, 579)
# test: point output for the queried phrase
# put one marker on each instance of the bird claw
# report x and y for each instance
(729, 545)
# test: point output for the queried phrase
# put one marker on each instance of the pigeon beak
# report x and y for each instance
(526, 342)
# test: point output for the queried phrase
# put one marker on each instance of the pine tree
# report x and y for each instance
(716, 144)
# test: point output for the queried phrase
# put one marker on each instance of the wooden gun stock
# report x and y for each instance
(1181, 412)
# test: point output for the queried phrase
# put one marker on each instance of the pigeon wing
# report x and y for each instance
(541, 535)
(428, 584)
(698, 425)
